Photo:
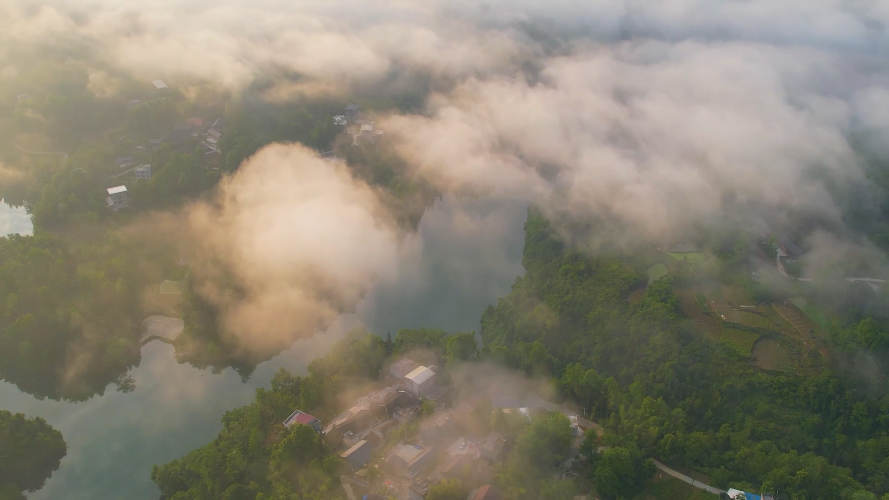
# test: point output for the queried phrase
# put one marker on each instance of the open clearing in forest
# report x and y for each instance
(691, 257)
(770, 356)
(656, 272)
(635, 295)
(741, 341)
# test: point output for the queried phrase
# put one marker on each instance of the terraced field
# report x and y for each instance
(749, 318)
(741, 341)
(800, 322)
(812, 313)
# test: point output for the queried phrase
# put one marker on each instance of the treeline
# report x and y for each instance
(30, 451)
(656, 383)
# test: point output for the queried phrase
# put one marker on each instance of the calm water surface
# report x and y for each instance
(14, 220)
(465, 255)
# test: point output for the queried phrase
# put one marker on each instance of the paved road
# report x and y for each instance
(683, 477)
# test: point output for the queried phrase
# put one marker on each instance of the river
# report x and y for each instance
(465, 255)
(14, 220)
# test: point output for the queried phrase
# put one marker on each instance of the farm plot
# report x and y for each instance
(741, 341)
(749, 318)
(795, 317)
(691, 257)
(812, 313)
(770, 356)
(656, 272)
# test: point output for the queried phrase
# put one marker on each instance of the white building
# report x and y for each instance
(419, 380)
(159, 84)
(143, 172)
(117, 198)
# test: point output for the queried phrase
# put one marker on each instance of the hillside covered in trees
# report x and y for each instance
(656, 381)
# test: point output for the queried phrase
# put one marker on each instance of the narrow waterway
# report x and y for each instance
(14, 220)
(465, 255)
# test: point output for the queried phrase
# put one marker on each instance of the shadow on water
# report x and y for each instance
(465, 255)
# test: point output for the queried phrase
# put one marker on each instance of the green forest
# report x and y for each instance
(30, 451)
(649, 375)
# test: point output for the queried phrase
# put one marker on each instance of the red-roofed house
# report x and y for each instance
(298, 417)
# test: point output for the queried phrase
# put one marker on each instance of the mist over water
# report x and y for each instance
(465, 255)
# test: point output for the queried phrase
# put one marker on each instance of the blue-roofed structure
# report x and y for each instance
(742, 495)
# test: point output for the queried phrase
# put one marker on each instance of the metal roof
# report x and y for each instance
(358, 446)
(118, 189)
(159, 84)
(420, 375)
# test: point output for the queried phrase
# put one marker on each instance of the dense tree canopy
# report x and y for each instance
(30, 451)
(62, 302)
(659, 385)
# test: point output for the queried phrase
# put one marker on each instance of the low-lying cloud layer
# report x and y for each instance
(291, 241)
(657, 116)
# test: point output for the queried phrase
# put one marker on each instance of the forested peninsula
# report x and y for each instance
(628, 353)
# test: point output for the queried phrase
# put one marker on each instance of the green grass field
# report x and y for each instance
(691, 257)
(168, 287)
(656, 272)
(814, 313)
(770, 356)
(740, 340)
(754, 320)
(670, 488)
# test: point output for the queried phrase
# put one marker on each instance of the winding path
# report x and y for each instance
(682, 477)
(63, 155)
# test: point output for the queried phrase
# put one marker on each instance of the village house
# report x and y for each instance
(358, 455)
(124, 161)
(298, 417)
(117, 198)
(401, 368)
(492, 447)
(790, 249)
(440, 426)
(143, 172)
(353, 112)
(419, 381)
(408, 460)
